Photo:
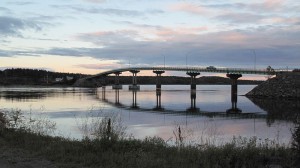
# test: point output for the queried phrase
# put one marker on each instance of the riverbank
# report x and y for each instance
(150, 152)
(284, 85)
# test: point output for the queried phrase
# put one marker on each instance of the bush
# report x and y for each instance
(101, 125)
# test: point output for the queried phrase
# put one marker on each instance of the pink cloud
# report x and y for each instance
(99, 66)
(273, 4)
(189, 8)
(234, 37)
(171, 33)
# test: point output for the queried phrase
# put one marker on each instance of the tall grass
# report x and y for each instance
(101, 125)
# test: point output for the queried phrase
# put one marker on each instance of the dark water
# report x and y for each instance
(209, 118)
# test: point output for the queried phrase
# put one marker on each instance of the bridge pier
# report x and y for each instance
(193, 79)
(117, 81)
(234, 91)
(158, 76)
(134, 85)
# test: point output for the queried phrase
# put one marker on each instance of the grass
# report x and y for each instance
(150, 152)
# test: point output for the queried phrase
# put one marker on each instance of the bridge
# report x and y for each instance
(232, 73)
(210, 69)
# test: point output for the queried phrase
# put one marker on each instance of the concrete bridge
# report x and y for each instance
(233, 73)
(193, 72)
(209, 69)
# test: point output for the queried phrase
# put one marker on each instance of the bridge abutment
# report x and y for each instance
(158, 80)
(134, 85)
(193, 79)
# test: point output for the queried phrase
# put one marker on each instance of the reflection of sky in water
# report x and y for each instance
(64, 105)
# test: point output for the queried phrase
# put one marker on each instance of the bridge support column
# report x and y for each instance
(158, 81)
(117, 81)
(234, 91)
(193, 79)
(134, 85)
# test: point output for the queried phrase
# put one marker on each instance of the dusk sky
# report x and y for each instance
(90, 36)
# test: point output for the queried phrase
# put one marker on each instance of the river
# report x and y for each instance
(209, 119)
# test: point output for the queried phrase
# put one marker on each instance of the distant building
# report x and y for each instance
(69, 78)
(59, 79)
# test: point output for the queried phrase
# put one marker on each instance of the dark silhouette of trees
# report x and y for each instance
(35, 76)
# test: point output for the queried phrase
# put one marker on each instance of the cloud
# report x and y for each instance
(10, 26)
(21, 3)
(104, 65)
(5, 53)
(240, 17)
(227, 48)
(268, 5)
(5, 10)
(190, 8)
(109, 11)
(109, 37)
(96, 1)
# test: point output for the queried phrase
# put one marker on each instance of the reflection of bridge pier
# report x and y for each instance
(134, 99)
(103, 92)
(193, 79)
(234, 91)
(117, 81)
(117, 96)
(134, 85)
(158, 101)
(193, 107)
(158, 80)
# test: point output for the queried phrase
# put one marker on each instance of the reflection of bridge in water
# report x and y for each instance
(192, 110)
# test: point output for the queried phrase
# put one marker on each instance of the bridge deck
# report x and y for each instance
(194, 69)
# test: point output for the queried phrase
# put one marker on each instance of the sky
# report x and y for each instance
(91, 36)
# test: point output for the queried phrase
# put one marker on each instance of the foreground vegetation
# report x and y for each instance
(107, 149)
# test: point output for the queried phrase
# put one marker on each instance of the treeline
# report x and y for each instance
(23, 76)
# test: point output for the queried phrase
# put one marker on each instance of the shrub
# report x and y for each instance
(102, 125)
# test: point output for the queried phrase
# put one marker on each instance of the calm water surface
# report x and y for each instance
(209, 120)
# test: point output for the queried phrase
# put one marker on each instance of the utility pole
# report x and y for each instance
(186, 60)
(254, 59)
